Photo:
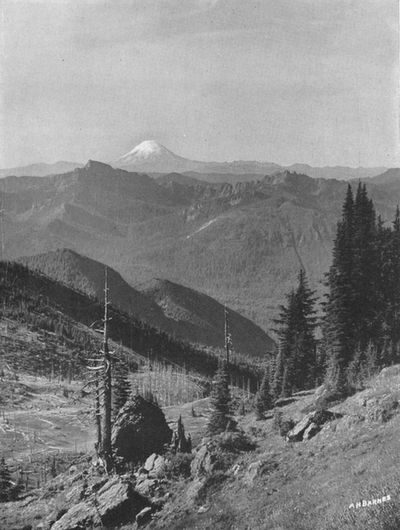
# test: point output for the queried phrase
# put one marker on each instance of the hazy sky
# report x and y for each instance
(312, 81)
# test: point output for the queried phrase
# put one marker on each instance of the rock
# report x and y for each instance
(258, 468)
(139, 430)
(389, 371)
(311, 430)
(315, 419)
(115, 503)
(155, 465)
(149, 464)
(79, 517)
(203, 462)
(143, 516)
(252, 472)
(147, 486)
(296, 433)
(381, 409)
(118, 502)
(195, 487)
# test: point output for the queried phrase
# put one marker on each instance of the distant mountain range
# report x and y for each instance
(177, 310)
(153, 158)
(241, 243)
(40, 170)
(150, 156)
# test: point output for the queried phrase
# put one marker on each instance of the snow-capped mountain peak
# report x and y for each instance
(148, 151)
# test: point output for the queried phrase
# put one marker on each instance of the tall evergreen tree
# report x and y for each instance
(220, 418)
(263, 398)
(295, 364)
(339, 336)
(365, 270)
(363, 292)
(389, 268)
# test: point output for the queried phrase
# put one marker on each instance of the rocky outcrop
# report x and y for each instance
(310, 425)
(79, 517)
(115, 503)
(381, 409)
(140, 429)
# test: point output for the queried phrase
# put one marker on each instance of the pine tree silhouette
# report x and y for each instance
(220, 419)
(264, 400)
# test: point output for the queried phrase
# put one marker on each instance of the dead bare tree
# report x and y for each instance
(228, 337)
(106, 449)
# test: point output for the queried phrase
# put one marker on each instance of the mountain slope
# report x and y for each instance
(204, 317)
(242, 244)
(172, 308)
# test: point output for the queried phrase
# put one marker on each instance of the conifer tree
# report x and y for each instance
(359, 289)
(295, 363)
(365, 270)
(263, 398)
(220, 418)
(339, 336)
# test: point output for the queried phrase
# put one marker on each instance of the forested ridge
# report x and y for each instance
(43, 303)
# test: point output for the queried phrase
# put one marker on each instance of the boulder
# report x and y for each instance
(115, 503)
(310, 424)
(389, 371)
(203, 462)
(311, 430)
(149, 464)
(118, 502)
(252, 472)
(155, 465)
(265, 466)
(79, 517)
(147, 486)
(382, 409)
(139, 430)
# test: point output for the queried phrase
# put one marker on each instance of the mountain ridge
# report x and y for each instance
(240, 243)
(177, 310)
(152, 157)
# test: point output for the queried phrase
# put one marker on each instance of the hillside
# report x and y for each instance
(253, 481)
(308, 484)
(171, 308)
(42, 302)
(241, 244)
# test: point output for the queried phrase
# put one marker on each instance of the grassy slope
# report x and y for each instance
(307, 485)
(302, 486)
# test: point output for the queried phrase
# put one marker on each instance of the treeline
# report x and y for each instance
(360, 323)
(361, 326)
(44, 303)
